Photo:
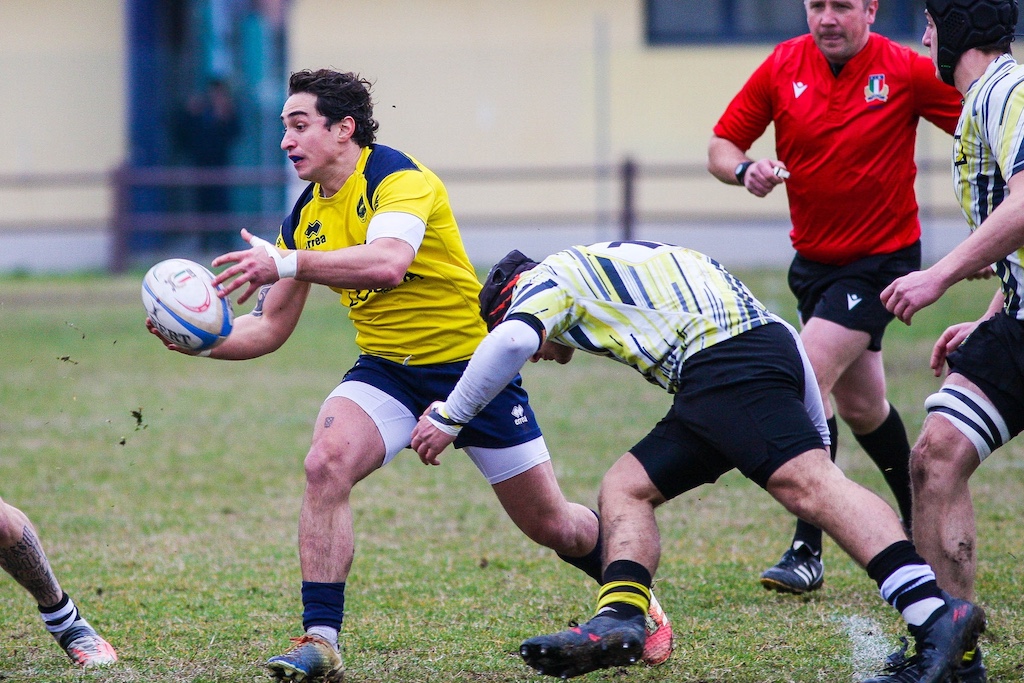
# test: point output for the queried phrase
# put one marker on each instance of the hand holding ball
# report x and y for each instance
(182, 304)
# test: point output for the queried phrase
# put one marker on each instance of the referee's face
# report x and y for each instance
(840, 27)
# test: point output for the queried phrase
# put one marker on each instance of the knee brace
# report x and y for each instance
(973, 415)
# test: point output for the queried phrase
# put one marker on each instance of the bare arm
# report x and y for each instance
(1001, 234)
(381, 263)
(261, 331)
(270, 323)
(761, 176)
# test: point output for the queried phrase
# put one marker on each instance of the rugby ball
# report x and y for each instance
(182, 303)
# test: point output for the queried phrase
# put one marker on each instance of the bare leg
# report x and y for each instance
(813, 488)
(536, 504)
(346, 448)
(833, 350)
(627, 502)
(22, 556)
(942, 462)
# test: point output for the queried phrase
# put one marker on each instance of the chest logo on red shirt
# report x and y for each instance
(877, 91)
(798, 88)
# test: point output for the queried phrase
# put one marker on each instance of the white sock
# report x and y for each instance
(326, 632)
(62, 616)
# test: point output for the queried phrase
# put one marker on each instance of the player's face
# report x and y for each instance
(931, 41)
(312, 147)
(550, 350)
(840, 27)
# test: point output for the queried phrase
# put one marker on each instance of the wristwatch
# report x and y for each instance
(741, 170)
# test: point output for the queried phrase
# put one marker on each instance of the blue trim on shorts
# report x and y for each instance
(506, 421)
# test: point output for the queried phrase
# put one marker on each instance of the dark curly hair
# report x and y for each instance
(339, 95)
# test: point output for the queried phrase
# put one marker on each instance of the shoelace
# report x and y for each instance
(895, 659)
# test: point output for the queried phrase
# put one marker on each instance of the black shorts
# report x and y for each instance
(993, 358)
(741, 406)
(850, 295)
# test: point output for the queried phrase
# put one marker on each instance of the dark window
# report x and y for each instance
(672, 22)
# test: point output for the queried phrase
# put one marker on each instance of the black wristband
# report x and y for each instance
(741, 171)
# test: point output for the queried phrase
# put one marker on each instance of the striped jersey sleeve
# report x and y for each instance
(988, 148)
(646, 304)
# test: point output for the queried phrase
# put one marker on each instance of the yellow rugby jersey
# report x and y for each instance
(433, 315)
(646, 304)
(987, 150)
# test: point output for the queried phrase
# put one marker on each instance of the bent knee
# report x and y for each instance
(335, 468)
(803, 482)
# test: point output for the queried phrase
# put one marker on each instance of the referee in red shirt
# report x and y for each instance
(845, 104)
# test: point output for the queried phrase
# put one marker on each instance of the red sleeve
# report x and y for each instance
(748, 115)
(934, 100)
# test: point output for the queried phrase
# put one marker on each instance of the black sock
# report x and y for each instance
(809, 534)
(626, 590)
(889, 448)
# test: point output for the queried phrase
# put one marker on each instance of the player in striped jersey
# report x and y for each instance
(22, 556)
(981, 403)
(745, 397)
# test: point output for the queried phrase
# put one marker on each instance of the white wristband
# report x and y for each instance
(205, 353)
(439, 418)
(287, 266)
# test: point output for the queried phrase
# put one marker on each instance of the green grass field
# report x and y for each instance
(166, 492)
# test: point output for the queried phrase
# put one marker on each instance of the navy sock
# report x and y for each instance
(323, 604)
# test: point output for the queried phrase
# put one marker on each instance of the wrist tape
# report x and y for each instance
(287, 265)
(439, 418)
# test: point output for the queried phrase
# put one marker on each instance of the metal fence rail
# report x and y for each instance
(627, 181)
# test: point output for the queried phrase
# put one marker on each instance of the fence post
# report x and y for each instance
(119, 227)
(627, 175)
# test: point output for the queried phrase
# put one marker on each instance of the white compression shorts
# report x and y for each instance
(973, 415)
(395, 424)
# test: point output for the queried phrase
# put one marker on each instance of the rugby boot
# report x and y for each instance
(799, 571)
(601, 643)
(311, 659)
(940, 645)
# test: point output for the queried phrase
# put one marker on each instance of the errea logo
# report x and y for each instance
(313, 236)
(519, 413)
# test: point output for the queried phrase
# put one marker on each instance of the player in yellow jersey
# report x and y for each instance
(745, 397)
(376, 226)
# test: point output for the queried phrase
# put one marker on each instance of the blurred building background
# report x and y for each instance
(551, 121)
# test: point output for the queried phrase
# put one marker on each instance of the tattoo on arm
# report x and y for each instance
(328, 421)
(257, 310)
(27, 563)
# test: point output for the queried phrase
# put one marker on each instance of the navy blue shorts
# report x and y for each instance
(741, 406)
(850, 295)
(506, 421)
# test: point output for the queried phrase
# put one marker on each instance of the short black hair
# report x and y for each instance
(339, 95)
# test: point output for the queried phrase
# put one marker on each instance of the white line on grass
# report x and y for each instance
(870, 645)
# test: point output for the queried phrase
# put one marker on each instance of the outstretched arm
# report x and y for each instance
(261, 331)
(1001, 234)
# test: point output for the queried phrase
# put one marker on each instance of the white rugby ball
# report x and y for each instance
(181, 301)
